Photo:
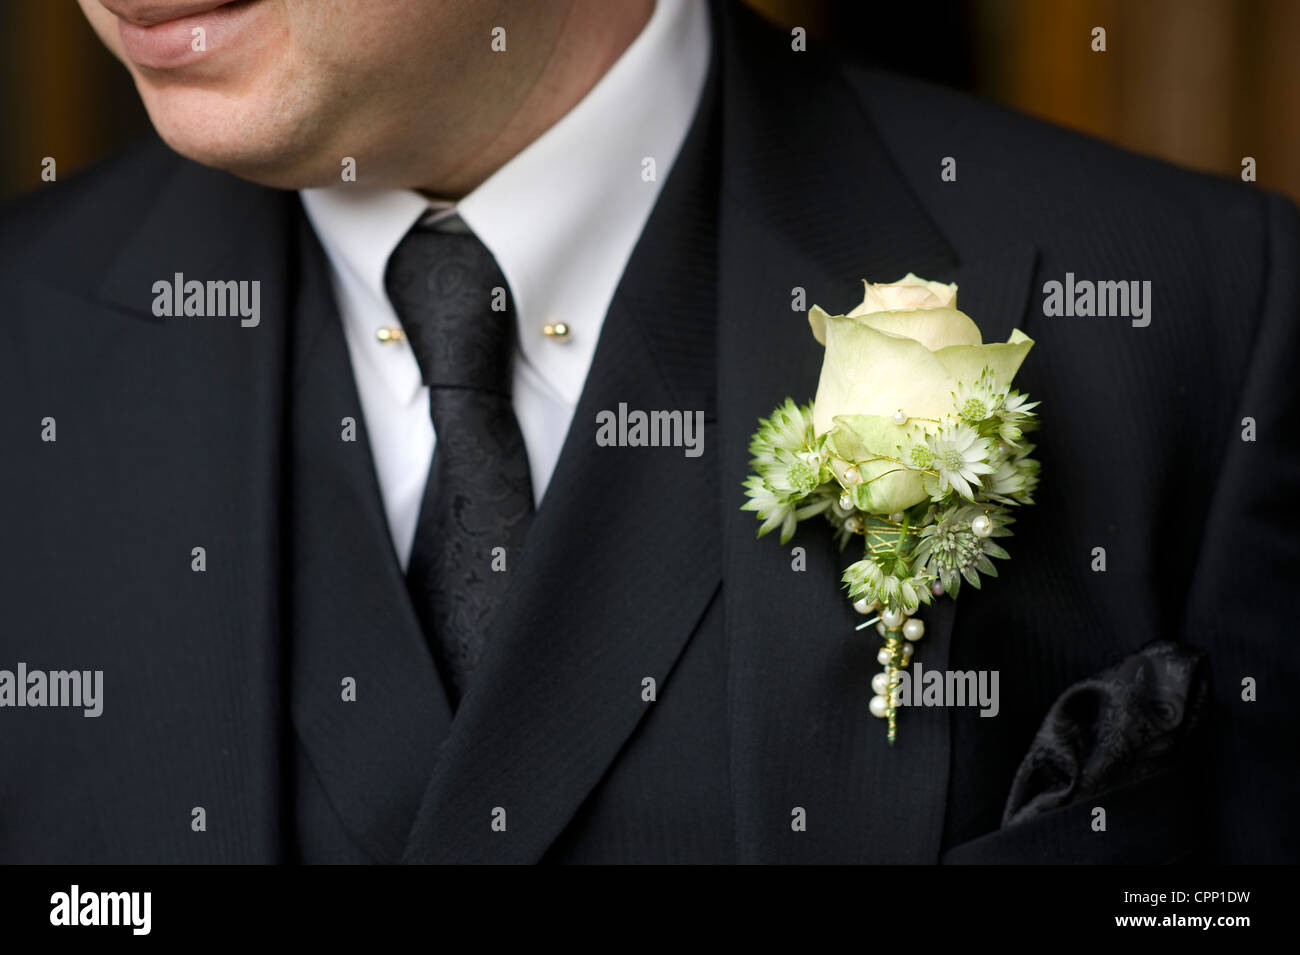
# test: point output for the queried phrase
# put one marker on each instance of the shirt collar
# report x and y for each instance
(563, 216)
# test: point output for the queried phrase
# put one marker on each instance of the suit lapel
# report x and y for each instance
(621, 561)
(814, 203)
(177, 425)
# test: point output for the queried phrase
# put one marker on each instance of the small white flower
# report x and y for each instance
(960, 457)
(1005, 481)
(788, 428)
(775, 510)
(1014, 477)
(795, 474)
(979, 401)
(867, 581)
(1015, 417)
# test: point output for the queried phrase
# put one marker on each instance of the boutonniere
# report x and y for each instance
(913, 448)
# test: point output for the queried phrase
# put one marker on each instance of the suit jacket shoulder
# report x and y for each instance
(1061, 189)
(81, 221)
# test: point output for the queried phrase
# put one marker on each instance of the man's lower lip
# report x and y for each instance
(188, 39)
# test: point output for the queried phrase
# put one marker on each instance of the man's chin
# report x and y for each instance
(262, 149)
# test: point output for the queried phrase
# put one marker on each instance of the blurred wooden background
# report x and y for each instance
(1200, 82)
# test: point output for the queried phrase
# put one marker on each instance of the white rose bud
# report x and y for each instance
(904, 349)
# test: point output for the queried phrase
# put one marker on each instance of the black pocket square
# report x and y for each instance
(1130, 721)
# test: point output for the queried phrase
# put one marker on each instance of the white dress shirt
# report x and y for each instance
(561, 218)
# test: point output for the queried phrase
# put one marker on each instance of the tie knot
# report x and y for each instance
(454, 305)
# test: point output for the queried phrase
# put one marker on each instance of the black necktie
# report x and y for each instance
(455, 310)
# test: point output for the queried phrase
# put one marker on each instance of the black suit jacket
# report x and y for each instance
(222, 688)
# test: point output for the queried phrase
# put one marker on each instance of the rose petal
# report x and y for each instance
(867, 371)
(817, 319)
(966, 363)
(934, 328)
(911, 291)
(886, 486)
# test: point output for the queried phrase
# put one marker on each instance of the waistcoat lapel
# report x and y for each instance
(352, 625)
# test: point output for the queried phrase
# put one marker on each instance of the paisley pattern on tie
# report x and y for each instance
(478, 502)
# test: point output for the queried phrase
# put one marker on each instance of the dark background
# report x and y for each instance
(1199, 82)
